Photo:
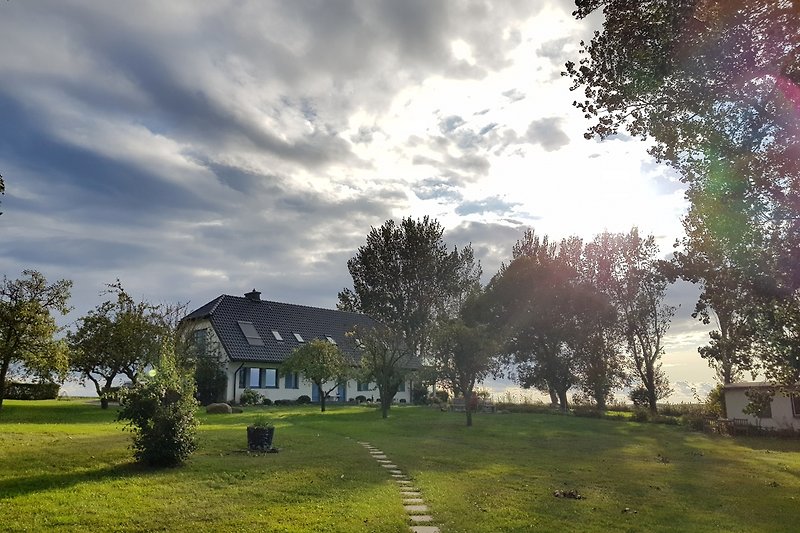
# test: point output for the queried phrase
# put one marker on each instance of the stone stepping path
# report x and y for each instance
(413, 503)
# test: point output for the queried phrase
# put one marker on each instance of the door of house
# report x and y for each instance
(314, 393)
(342, 392)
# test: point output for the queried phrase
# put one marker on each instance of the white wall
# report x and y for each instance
(782, 418)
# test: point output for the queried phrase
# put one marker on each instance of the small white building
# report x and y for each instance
(783, 412)
(252, 337)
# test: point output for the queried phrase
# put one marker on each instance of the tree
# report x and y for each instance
(27, 327)
(599, 363)
(638, 288)
(464, 354)
(714, 83)
(533, 302)
(119, 337)
(322, 364)
(386, 359)
(404, 276)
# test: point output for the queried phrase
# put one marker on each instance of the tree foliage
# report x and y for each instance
(405, 276)
(119, 337)
(322, 364)
(716, 85)
(160, 412)
(465, 351)
(27, 327)
(386, 359)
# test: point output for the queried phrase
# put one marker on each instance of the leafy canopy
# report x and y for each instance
(27, 327)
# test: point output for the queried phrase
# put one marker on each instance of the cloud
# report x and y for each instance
(515, 95)
(547, 133)
(494, 205)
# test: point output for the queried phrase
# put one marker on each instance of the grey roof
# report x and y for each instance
(226, 311)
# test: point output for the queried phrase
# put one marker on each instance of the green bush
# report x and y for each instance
(211, 381)
(303, 399)
(693, 422)
(31, 391)
(266, 401)
(361, 398)
(640, 415)
(286, 402)
(249, 397)
(160, 413)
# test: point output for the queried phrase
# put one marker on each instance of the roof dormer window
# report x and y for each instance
(298, 337)
(250, 333)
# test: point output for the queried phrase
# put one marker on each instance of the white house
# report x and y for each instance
(783, 413)
(252, 337)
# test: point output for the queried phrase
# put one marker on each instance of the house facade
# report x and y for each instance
(782, 413)
(251, 337)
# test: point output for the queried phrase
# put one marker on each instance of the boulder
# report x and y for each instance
(219, 409)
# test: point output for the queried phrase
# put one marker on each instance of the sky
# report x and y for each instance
(191, 149)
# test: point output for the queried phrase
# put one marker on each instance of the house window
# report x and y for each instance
(402, 387)
(362, 386)
(330, 339)
(199, 341)
(258, 378)
(795, 405)
(291, 381)
(269, 378)
(298, 337)
(277, 335)
(254, 378)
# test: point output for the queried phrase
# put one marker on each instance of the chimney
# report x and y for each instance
(253, 295)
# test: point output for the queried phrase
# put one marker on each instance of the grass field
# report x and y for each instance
(66, 465)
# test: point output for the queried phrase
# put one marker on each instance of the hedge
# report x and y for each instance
(31, 391)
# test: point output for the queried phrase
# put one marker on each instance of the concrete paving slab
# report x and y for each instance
(412, 501)
(416, 509)
(424, 529)
(420, 518)
(389, 465)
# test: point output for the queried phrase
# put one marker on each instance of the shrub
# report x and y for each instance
(212, 382)
(639, 397)
(266, 401)
(285, 402)
(361, 398)
(31, 391)
(249, 397)
(442, 395)
(303, 399)
(160, 414)
(715, 403)
(693, 422)
(640, 415)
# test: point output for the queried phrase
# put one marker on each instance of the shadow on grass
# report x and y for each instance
(22, 485)
(56, 412)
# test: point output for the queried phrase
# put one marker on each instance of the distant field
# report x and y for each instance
(65, 465)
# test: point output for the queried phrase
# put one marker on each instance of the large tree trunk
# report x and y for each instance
(553, 397)
(600, 399)
(321, 398)
(562, 400)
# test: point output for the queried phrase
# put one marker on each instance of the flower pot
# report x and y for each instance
(259, 439)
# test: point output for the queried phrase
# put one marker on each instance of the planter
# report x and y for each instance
(260, 439)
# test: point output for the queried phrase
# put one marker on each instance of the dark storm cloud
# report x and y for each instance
(547, 133)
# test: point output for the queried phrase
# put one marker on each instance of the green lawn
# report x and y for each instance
(66, 465)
